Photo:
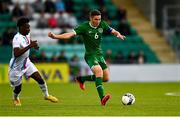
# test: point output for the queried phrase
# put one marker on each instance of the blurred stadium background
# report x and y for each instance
(151, 51)
(151, 28)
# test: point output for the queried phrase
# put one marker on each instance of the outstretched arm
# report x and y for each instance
(117, 34)
(62, 36)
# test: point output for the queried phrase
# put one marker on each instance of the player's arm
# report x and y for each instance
(18, 51)
(117, 34)
(62, 36)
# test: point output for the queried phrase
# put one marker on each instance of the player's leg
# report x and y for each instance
(105, 69)
(86, 78)
(81, 80)
(16, 83)
(16, 92)
(43, 86)
(32, 72)
(97, 70)
(106, 75)
(105, 79)
(91, 61)
(97, 77)
(15, 78)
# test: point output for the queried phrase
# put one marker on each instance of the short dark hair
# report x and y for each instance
(21, 21)
(94, 12)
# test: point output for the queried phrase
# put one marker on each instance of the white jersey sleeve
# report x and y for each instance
(16, 42)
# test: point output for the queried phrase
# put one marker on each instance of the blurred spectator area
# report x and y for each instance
(69, 50)
(174, 40)
(59, 16)
(132, 43)
(171, 27)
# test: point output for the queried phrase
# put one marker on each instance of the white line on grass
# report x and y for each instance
(173, 93)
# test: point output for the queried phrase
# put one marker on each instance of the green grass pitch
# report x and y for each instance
(150, 100)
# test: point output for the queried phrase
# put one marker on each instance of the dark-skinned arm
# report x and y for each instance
(18, 51)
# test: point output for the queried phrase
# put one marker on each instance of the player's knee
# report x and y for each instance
(17, 90)
(40, 81)
(105, 79)
(99, 73)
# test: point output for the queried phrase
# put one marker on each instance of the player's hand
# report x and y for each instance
(34, 44)
(51, 35)
(37, 48)
(121, 36)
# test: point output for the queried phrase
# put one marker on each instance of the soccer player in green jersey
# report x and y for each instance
(92, 31)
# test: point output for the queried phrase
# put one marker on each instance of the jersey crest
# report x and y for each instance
(100, 30)
(90, 31)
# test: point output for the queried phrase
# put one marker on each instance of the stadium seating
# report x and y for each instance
(6, 53)
(132, 43)
(175, 39)
(69, 49)
(51, 47)
(5, 17)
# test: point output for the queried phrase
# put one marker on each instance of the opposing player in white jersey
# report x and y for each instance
(20, 63)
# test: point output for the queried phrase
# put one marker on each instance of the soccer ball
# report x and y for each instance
(128, 99)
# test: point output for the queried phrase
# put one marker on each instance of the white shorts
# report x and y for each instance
(15, 75)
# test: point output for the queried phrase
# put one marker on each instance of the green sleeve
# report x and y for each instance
(106, 26)
(79, 30)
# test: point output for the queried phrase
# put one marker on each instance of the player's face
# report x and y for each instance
(95, 20)
(25, 29)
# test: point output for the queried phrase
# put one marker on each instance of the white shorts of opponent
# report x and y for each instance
(16, 71)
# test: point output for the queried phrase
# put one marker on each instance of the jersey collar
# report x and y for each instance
(92, 25)
(21, 34)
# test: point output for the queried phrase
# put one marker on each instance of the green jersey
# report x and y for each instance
(92, 36)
